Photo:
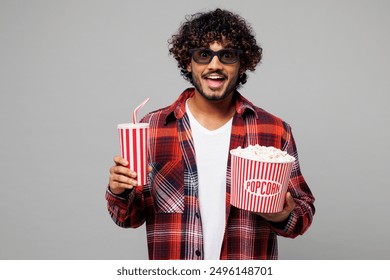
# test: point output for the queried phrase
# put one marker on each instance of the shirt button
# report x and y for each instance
(197, 252)
(197, 215)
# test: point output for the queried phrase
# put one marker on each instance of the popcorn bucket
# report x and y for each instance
(133, 142)
(259, 186)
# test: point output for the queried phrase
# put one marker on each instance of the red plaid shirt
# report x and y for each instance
(169, 203)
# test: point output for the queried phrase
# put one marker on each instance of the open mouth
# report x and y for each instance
(215, 80)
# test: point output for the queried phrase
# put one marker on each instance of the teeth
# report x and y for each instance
(215, 77)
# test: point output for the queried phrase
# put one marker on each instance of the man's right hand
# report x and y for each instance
(121, 177)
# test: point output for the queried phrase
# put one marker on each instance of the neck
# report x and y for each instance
(212, 114)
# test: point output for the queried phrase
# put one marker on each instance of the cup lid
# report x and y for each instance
(133, 125)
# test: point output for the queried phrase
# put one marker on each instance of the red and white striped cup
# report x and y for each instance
(134, 143)
(259, 186)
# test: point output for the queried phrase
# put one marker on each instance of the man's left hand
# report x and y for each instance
(289, 206)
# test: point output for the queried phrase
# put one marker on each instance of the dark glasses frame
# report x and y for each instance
(219, 54)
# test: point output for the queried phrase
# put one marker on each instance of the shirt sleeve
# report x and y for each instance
(126, 209)
(302, 216)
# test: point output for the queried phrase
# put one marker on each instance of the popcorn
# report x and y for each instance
(259, 178)
(263, 153)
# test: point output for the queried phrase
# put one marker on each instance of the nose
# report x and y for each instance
(215, 63)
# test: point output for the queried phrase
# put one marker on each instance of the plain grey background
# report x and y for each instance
(70, 71)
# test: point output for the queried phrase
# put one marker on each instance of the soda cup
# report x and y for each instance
(133, 139)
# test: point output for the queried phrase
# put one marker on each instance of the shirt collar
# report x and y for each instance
(178, 108)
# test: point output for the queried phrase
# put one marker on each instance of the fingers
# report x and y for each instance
(122, 170)
(290, 203)
(122, 182)
(121, 177)
(120, 161)
(284, 214)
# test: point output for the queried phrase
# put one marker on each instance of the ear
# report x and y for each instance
(189, 67)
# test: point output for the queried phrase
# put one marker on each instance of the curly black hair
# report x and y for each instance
(201, 29)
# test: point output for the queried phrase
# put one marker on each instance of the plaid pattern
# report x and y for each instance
(169, 203)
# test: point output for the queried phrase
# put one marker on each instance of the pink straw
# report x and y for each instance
(137, 109)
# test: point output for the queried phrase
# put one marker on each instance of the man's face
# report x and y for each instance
(215, 80)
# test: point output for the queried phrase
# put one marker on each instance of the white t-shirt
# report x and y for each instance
(211, 152)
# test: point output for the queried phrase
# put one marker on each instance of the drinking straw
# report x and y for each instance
(137, 109)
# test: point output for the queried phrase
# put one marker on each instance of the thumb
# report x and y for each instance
(290, 203)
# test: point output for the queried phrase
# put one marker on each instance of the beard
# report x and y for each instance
(212, 97)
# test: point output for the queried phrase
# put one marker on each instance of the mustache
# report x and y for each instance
(218, 72)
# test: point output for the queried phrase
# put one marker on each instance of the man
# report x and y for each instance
(186, 205)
